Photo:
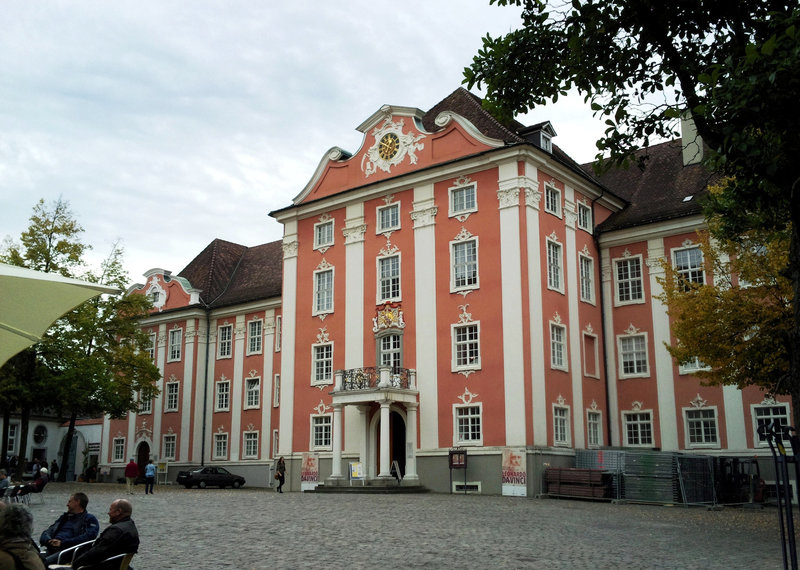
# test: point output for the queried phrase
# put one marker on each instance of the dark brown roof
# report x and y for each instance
(658, 192)
(228, 273)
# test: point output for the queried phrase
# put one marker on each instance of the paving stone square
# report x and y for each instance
(258, 528)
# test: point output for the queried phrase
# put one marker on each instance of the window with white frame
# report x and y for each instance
(323, 291)
(388, 279)
(591, 355)
(278, 332)
(692, 365)
(276, 391)
(322, 364)
(275, 440)
(463, 199)
(321, 432)
(594, 428)
(171, 396)
(175, 344)
(220, 446)
(391, 350)
(584, 217)
(552, 200)
(388, 218)
(323, 234)
(468, 424)
(765, 415)
(145, 405)
(555, 275)
(561, 425)
(464, 256)
(466, 347)
(689, 266)
(633, 355)
(638, 429)
(225, 341)
(254, 336)
(587, 278)
(13, 435)
(252, 392)
(701, 427)
(250, 444)
(558, 346)
(151, 347)
(628, 277)
(118, 449)
(223, 399)
(170, 447)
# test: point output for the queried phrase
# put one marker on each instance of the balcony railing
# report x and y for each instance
(373, 378)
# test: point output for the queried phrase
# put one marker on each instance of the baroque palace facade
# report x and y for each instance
(455, 284)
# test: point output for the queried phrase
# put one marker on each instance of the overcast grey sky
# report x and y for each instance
(169, 123)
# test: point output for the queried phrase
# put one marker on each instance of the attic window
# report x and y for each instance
(688, 198)
(546, 142)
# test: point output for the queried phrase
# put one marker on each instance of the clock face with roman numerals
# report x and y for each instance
(388, 146)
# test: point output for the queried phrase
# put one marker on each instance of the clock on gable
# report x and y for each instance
(390, 147)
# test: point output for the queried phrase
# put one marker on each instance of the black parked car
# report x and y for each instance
(209, 477)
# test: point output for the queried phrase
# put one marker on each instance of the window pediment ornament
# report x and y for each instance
(585, 251)
(467, 396)
(687, 243)
(463, 235)
(464, 316)
(321, 408)
(251, 427)
(390, 148)
(389, 249)
(626, 253)
(769, 400)
(560, 400)
(170, 431)
(155, 287)
(323, 336)
(144, 431)
(589, 328)
(553, 237)
(253, 373)
(220, 429)
(172, 378)
(324, 265)
(636, 406)
(593, 406)
(698, 402)
(557, 318)
(631, 329)
(388, 317)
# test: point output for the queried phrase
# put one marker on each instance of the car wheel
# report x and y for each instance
(236, 484)
(202, 484)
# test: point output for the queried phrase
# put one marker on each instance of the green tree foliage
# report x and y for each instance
(734, 67)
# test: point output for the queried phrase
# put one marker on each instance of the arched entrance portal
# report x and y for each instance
(142, 457)
(397, 441)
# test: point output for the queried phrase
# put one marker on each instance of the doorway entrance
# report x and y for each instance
(397, 442)
(142, 457)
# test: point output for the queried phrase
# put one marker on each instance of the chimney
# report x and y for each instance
(691, 141)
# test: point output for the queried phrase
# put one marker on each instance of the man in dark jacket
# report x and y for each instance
(73, 527)
(119, 538)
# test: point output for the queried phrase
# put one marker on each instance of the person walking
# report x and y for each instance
(149, 477)
(54, 470)
(131, 473)
(280, 474)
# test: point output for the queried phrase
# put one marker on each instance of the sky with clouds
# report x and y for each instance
(167, 124)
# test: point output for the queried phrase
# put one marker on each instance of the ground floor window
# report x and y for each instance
(220, 446)
(321, 432)
(766, 414)
(594, 428)
(468, 425)
(560, 425)
(251, 444)
(701, 426)
(119, 449)
(169, 447)
(638, 429)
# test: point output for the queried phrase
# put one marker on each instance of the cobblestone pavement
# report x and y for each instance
(258, 528)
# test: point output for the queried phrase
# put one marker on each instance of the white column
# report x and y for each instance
(363, 423)
(411, 443)
(385, 467)
(336, 467)
(611, 346)
(237, 383)
(289, 310)
(267, 383)
(571, 276)
(734, 418)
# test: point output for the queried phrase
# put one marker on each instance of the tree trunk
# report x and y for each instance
(24, 420)
(62, 473)
(794, 274)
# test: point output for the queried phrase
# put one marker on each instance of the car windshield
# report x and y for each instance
(223, 471)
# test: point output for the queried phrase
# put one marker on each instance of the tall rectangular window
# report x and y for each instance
(555, 279)
(552, 200)
(584, 217)
(590, 355)
(223, 399)
(323, 234)
(558, 346)
(701, 426)
(689, 266)
(633, 355)
(462, 200)
(587, 278)
(594, 428)
(628, 274)
(390, 346)
(466, 347)
(220, 446)
(13, 435)
(254, 339)
(323, 291)
(388, 218)
(252, 392)
(322, 365)
(389, 278)
(638, 429)
(145, 405)
(561, 425)
(170, 447)
(250, 444)
(468, 425)
(171, 399)
(321, 431)
(151, 347)
(765, 415)
(276, 391)
(225, 341)
(278, 332)
(464, 264)
(119, 449)
(175, 342)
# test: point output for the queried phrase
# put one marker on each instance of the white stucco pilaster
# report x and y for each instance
(186, 389)
(533, 197)
(424, 219)
(607, 283)
(289, 301)
(662, 369)
(237, 383)
(511, 303)
(735, 427)
(267, 380)
(571, 276)
(189, 389)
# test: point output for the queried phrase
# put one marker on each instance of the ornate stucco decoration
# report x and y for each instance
(467, 396)
(464, 317)
(593, 406)
(636, 406)
(290, 249)
(322, 219)
(144, 431)
(407, 144)
(687, 243)
(585, 251)
(269, 325)
(321, 408)
(698, 402)
(508, 197)
(560, 400)
(462, 235)
(424, 217)
(533, 196)
(460, 182)
(160, 299)
(570, 215)
(324, 265)
(626, 253)
(556, 318)
(251, 427)
(389, 317)
(589, 328)
(323, 336)
(631, 329)
(253, 373)
(769, 400)
(220, 429)
(354, 234)
(389, 249)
